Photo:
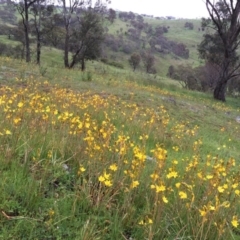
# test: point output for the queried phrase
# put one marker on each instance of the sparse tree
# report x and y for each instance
(40, 12)
(134, 60)
(71, 11)
(87, 38)
(221, 46)
(53, 30)
(23, 7)
(111, 15)
(19, 35)
(148, 61)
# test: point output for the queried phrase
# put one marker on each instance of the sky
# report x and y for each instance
(176, 8)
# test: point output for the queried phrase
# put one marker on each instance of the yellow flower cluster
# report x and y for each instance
(91, 128)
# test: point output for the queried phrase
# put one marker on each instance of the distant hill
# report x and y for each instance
(171, 41)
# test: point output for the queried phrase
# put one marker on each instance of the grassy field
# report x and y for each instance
(108, 154)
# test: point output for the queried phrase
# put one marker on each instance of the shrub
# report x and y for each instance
(202, 78)
(10, 51)
(189, 25)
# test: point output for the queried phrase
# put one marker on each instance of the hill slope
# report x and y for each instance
(136, 34)
(96, 156)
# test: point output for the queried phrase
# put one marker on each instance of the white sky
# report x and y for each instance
(177, 8)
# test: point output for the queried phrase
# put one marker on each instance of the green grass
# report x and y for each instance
(101, 125)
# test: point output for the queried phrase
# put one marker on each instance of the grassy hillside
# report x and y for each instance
(176, 32)
(108, 154)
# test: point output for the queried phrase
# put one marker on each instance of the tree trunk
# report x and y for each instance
(66, 48)
(26, 30)
(67, 37)
(38, 27)
(221, 87)
(74, 58)
(38, 50)
(82, 64)
(220, 90)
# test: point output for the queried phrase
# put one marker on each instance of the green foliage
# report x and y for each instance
(134, 60)
(8, 50)
(202, 78)
(189, 25)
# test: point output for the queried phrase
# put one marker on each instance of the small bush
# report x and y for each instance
(189, 25)
(10, 51)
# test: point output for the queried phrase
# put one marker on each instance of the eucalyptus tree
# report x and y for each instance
(87, 37)
(71, 12)
(41, 10)
(23, 8)
(220, 45)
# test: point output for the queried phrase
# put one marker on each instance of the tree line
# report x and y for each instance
(75, 26)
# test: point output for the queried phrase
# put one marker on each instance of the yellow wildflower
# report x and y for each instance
(101, 179)
(172, 174)
(209, 176)
(16, 120)
(160, 188)
(81, 170)
(108, 183)
(226, 204)
(235, 185)
(165, 200)
(220, 189)
(7, 132)
(20, 104)
(237, 192)
(154, 176)
(203, 212)
(134, 184)
(175, 162)
(113, 167)
(182, 195)
(141, 222)
(235, 221)
(150, 221)
(177, 185)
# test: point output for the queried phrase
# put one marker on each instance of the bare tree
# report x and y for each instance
(23, 8)
(221, 47)
(40, 12)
